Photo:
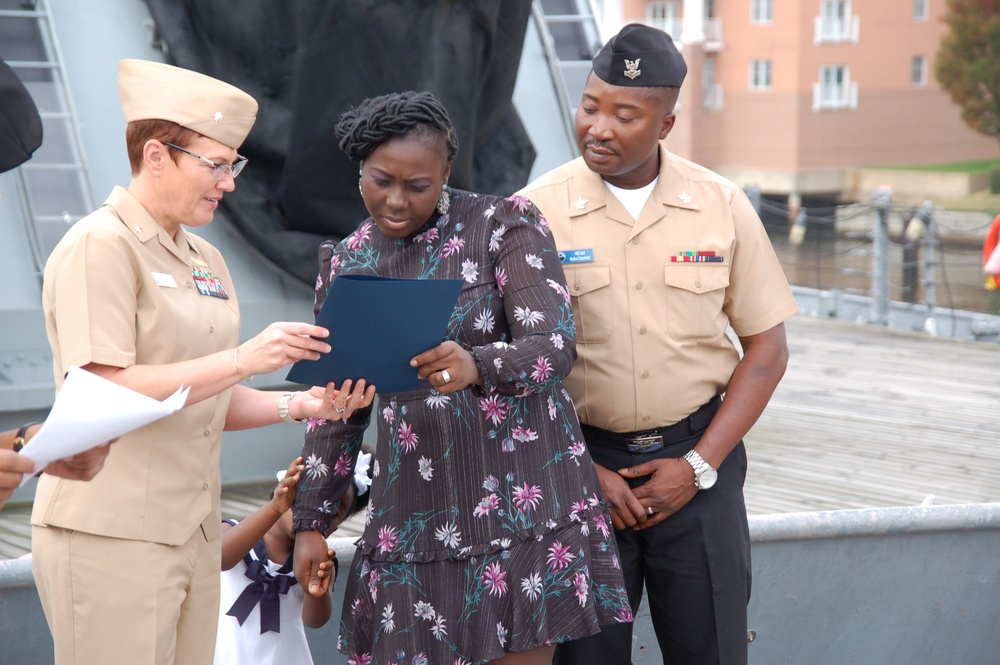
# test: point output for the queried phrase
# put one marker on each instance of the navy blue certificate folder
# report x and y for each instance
(377, 325)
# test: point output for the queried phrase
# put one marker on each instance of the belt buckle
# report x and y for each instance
(645, 444)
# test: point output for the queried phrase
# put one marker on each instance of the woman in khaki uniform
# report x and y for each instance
(127, 566)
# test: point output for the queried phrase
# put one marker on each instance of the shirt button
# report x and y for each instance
(645, 416)
(642, 330)
(204, 486)
(211, 329)
(635, 241)
(638, 286)
(645, 375)
(207, 433)
(190, 285)
(576, 286)
(697, 283)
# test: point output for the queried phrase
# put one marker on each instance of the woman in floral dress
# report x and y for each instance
(487, 539)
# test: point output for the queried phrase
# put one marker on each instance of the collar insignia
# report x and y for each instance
(632, 70)
(581, 203)
(684, 197)
(138, 229)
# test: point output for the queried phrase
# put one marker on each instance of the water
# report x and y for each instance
(828, 261)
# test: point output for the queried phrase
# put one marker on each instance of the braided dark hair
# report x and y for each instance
(376, 120)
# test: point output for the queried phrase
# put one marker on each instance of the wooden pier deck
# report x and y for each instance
(865, 417)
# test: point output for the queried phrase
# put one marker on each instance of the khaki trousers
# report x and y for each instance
(110, 600)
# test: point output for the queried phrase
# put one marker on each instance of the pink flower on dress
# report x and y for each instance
(624, 615)
(521, 204)
(452, 246)
(543, 370)
(343, 464)
(496, 409)
(428, 236)
(388, 415)
(501, 277)
(582, 586)
(527, 496)
(407, 438)
(387, 539)
(494, 579)
(360, 238)
(360, 659)
(602, 526)
(487, 505)
(559, 556)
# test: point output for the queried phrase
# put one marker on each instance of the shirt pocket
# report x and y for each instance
(695, 296)
(590, 288)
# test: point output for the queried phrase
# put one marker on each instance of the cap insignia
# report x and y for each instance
(632, 70)
(218, 116)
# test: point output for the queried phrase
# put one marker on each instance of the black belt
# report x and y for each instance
(651, 440)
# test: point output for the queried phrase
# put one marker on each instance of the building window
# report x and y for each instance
(919, 10)
(835, 90)
(835, 23)
(761, 11)
(712, 91)
(760, 74)
(918, 71)
(665, 16)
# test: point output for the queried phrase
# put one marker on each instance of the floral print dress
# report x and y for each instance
(487, 531)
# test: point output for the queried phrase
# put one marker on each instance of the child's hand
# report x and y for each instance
(327, 574)
(311, 555)
(284, 493)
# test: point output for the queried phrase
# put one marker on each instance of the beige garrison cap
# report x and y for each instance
(218, 110)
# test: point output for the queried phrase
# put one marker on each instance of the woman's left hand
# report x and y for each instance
(448, 367)
(330, 403)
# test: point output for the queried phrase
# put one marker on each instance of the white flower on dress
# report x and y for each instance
(438, 629)
(423, 610)
(498, 363)
(527, 316)
(534, 261)
(470, 271)
(449, 535)
(388, 625)
(425, 468)
(532, 585)
(484, 321)
(559, 288)
(552, 408)
(436, 400)
(315, 468)
(496, 237)
(501, 634)
(557, 340)
(388, 415)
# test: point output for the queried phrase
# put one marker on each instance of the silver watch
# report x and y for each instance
(704, 475)
(283, 405)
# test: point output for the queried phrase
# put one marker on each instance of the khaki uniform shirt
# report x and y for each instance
(120, 291)
(651, 328)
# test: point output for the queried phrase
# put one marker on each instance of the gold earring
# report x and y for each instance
(444, 201)
(360, 190)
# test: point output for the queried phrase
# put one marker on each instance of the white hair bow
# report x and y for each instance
(362, 481)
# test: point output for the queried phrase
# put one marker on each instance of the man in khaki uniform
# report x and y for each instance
(661, 256)
(127, 566)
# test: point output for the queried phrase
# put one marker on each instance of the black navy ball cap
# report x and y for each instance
(642, 57)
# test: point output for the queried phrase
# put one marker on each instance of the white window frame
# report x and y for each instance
(918, 71)
(712, 92)
(835, 23)
(760, 74)
(761, 12)
(921, 10)
(835, 90)
(665, 15)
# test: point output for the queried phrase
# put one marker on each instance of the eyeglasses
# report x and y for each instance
(219, 171)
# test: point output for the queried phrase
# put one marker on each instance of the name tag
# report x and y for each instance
(165, 279)
(576, 256)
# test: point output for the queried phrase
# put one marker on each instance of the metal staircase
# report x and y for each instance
(571, 36)
(54, 185)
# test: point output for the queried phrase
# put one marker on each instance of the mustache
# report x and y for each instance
(600, 144)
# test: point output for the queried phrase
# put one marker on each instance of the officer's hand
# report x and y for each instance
(624, 507)
(669, 488)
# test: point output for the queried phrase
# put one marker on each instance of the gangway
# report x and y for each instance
(54, 186)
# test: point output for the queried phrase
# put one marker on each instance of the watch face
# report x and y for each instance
(707, 478)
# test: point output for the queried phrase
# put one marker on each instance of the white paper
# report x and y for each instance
(90, 410)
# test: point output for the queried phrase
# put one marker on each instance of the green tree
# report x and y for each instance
(968, 62)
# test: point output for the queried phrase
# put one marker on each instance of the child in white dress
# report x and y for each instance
(263, 611)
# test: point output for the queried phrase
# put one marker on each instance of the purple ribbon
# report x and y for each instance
(264, 588)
